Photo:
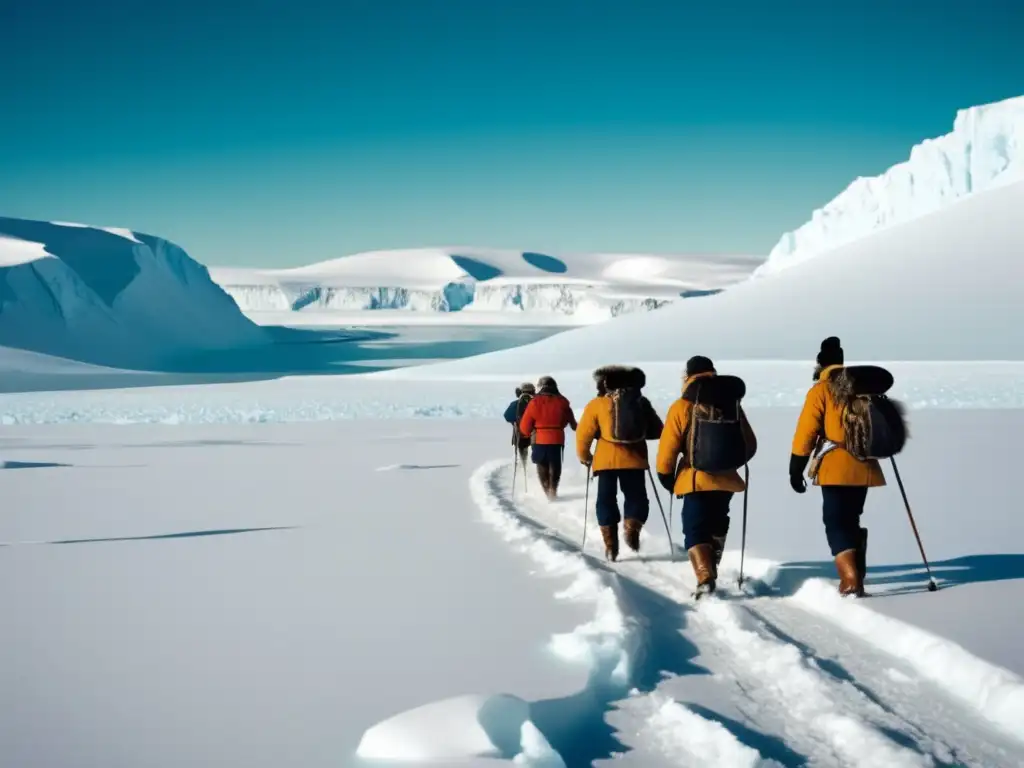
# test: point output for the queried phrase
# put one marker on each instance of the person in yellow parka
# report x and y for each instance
(621, 420)
(844, 480)
(706, 496)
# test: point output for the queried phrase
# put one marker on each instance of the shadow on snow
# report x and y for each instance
(160, 536)
(575, 726)
(891, 580)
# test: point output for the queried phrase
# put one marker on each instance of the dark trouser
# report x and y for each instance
(841, 508)
(633, 483)
(548, 459)
(705, 516)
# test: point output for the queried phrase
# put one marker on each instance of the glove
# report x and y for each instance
(667, 481)
(797, 465)
(586, 459)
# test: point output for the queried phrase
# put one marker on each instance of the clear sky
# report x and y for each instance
(278, 133)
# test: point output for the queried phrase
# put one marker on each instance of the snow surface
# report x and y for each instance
(947, 286)
(414, 393)
(310, 615)
(110, 297)
(984, 149)
(460, 728)
(471, 285)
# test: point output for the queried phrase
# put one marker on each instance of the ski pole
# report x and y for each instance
(932, 586)
(586, 510)
(743, 535)
(515, 460)
(657, 498)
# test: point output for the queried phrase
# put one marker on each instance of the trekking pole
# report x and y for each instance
(515, 466)
(586, 510)
(657, 498)
(743, 535)
(932, 586)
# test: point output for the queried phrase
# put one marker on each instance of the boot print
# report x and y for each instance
(610, 534)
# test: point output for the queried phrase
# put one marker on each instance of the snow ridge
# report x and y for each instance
(984, 149)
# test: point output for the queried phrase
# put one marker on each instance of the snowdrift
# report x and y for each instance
(984, 149)
(461, 728)
(480, 284)
(948, 286)
(110, 297)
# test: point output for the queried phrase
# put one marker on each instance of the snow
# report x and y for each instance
(110, 297)
(985, 149)
(947, 286)
(415, 392)
(459, 728)
(342, 610)
(476, 285)
(996, 693)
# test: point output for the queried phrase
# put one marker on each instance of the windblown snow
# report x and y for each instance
(946, 286)
(984, 149)
(474, 285)
(110, 297)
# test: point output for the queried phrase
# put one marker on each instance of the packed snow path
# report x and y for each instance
(830, 697)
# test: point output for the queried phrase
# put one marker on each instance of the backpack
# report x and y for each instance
(715, 439)
(874, 424)
(629, 416)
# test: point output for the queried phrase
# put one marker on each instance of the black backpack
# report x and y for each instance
(715, 439)
(875, 424)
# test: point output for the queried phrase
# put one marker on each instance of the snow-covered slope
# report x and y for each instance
(948, 286)
(985, 148)
(112, 297)
(481, 284)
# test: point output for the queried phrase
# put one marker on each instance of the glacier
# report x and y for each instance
(481, 284)
(984, 149)
(111, 297)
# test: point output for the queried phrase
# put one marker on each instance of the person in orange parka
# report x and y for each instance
(844, 480)
(544, 422)
(618, 465)
(706, 496)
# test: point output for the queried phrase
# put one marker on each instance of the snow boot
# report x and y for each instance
(556, 476)
(718, 545)
(862, 555)
(610, 534)
(702, 559)
(544, 476)
(632, 528)
(850, 582)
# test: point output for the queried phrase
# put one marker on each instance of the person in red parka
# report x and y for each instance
(544, 422)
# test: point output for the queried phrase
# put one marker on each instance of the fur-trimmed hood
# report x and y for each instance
(619, 377)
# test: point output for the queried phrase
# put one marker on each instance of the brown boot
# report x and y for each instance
(632, 528)
(702, 558)
(544, 476)
(718, 545)
(556, 477)
(850, 580)
(610, 534)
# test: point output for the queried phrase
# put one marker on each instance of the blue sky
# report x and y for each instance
(294, 132)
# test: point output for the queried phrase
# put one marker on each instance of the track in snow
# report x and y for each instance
(831, 698)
